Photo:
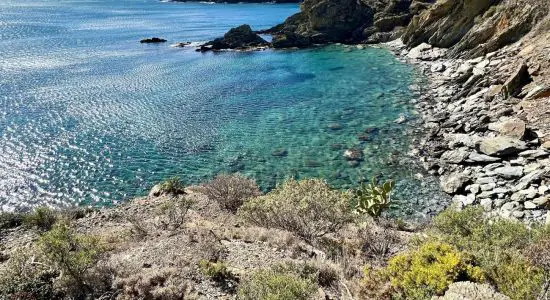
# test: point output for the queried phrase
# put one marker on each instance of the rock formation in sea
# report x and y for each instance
(241, 37)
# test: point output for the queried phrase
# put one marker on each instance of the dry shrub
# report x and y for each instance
(172, 213)
(155, 284)
(379, 242)
(230, 191)
(24, 276)
(308, 208)
(209, 245)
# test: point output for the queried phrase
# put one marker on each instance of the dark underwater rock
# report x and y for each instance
(152, 40)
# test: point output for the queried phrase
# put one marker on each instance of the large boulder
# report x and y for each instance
(241, 37)
(471, 291)
(501, 146)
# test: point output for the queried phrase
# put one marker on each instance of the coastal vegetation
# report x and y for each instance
(324, 245)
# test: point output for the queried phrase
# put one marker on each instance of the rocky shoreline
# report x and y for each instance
(475, 134)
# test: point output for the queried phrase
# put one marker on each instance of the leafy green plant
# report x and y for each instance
(429, 270)
(24, 277)
(270, 284)
(216, 270)
(308, 208)
(72, 253)
(374, 198)
(42, 218)
(172, 186)
(230, 191)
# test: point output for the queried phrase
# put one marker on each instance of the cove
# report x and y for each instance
(90, 116)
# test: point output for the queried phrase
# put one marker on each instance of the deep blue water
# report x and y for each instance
(90, 115)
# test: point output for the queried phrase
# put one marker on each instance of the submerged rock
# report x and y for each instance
(279, 152)
(354, 154)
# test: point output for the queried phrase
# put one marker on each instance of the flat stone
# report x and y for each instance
(455, 156)
(538, 92)
(518, 214)
(529, 205)
(541, 200)
(510, 206)
(487, 204)
(513, 128)
(518, 197)
(546, 145)
(474, 188)
(537, 153)
(486, 180)
(488, 186)
(501, 146)
(452, 183)
(530, 193)
(526, 180)
(476, 157)
(509, 172)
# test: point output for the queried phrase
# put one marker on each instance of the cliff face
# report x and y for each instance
(469, 28)
(324, 21)
(475, 27)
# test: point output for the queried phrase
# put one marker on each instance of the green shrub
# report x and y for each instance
(172, 186)
(73, 254)
(217, 271)
(273, 285)
(10, 220)
(309, 208)
(515, 277)
(230, 191)
(374, 198)
(42, 218)
(23, 277)
(323, 273)
(429, 270)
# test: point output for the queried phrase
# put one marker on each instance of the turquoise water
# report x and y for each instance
(89, 115)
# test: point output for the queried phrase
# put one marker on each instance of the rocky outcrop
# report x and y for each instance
(152, 40)
(241, 37)
(475, 27)
(243, 1)
(348, 21)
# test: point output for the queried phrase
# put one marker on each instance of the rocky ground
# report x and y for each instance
(486, 127)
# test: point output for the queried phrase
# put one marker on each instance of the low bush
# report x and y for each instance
(173, 186)
(154, 284)
(323, 273)
(429, 270)
(75, 255)
(24, 277)
(172, 213)
(309, 208)
(498, 246)
(10, 220)
(269, 284)
(217, 271)
(42, 218)
(373, 198)
(230, 191)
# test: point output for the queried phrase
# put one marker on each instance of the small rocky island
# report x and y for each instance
(239, 38)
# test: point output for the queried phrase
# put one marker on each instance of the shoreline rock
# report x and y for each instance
(479, 141)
